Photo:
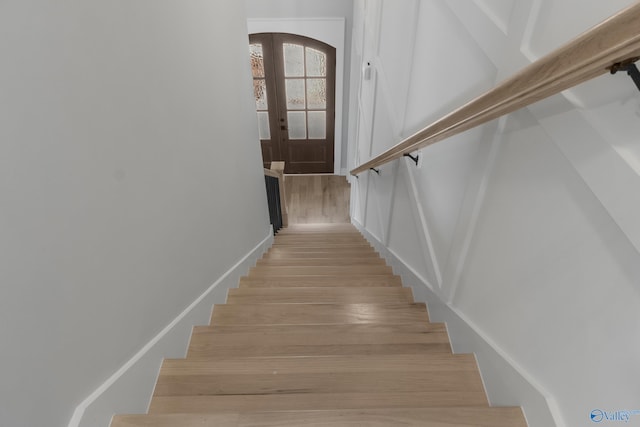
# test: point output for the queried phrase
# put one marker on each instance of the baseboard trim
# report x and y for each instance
(186, 319)
(497, 368)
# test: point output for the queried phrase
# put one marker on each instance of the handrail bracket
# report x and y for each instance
(630, 67)
(414, 158)
(375, 170)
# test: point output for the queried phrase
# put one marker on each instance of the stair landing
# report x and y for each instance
(321, 333)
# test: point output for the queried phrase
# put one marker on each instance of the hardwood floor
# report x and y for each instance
(321, 333)
(317, 199)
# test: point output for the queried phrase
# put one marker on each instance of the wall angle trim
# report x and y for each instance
(421, 220)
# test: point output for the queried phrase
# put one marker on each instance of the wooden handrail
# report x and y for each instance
(614, 41)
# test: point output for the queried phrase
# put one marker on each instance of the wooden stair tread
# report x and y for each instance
(322, 236)
(328, 255)
(318, 383)
(321, 243)
(287, 314)
(287, 249)
(321, 227)
(308, 243)
(315, 401)
(340, 261)
(182, 420)
(296, 231)
(334, 228)
(325, 281)
(428, 417)
(356, 333)
(322, 247)
(335, 237)
(309, 340)
(320, 295)
(266, 271)
(324, 374)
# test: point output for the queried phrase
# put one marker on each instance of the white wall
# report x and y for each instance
(129, 184)
(523, 233)
(329, 21)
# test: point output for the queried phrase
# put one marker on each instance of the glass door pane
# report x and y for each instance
(257, 59)
(297, 124)
(260, 93)
(256, 55)
(316, 63)
(317, 94)
(293, 60)
(295, 94)
(317, 124)
(305, 79)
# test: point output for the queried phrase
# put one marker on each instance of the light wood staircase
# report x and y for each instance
(321, 333)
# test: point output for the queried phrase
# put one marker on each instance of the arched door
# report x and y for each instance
(294, 88)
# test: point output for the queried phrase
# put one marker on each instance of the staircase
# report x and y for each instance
(321, 333)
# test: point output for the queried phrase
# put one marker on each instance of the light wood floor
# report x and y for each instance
(317, 199)
(321, 333)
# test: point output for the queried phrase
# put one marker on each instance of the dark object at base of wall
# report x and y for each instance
(273, 197)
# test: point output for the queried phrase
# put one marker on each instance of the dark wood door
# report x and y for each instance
(294, 87)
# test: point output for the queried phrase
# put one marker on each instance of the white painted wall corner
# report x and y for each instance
(129, 389)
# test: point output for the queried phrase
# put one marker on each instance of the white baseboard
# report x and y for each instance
(129, 389)
(505, 382)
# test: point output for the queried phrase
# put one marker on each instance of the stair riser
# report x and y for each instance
(338, 364)
(324, 332)
(303, 314)
(314, 401)
(327, 262)
(328, 256)
(320, 296)
(203, 351)
(321, 281)
(323, 245)
(265, 271)
(286, 250)
(327, 299)
(337, 238)
(282, 383)
(262, 337)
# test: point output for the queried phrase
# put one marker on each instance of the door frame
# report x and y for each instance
(327, 30)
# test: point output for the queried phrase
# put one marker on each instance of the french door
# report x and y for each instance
(294, 88)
